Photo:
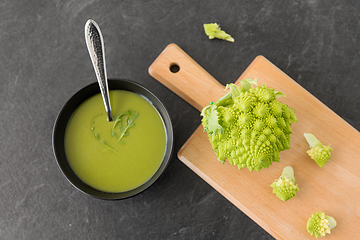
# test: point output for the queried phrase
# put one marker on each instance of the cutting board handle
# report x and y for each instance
(181, 74)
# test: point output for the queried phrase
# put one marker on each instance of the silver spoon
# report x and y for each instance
(95, 44)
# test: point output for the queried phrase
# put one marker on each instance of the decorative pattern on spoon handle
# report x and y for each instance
(95, 44)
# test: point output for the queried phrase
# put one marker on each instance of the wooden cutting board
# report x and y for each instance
(333, 189)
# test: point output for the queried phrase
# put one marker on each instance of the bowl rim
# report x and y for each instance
(65, 114)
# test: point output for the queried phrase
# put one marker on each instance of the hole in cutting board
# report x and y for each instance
(174, 68)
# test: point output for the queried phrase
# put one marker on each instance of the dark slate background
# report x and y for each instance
(44, 61)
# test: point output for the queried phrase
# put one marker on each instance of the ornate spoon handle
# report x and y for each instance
(95, 44)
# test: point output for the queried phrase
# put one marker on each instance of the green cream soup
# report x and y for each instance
(115, 156)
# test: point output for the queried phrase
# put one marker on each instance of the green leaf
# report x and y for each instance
(212, 120)
(129, 124)
(118, 119)
(97, 135)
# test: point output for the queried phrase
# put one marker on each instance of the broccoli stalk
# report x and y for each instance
(285, 187)
(213, 30)
(319, 224)
(318, 152)
(248, 126)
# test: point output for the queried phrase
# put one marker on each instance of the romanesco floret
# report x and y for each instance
(285, 187)
(318, 152)
(248, 126)
(213, 30)
(319, 224)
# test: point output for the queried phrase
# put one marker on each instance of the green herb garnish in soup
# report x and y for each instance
(115, 156)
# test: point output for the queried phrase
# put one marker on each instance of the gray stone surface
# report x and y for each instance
(44, 61)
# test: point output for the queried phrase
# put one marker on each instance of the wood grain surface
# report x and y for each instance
(333, 189)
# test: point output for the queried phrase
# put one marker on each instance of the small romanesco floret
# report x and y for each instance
(285, 187)
(318, 152)
(319, 224)
(248, 126)
(213, 30)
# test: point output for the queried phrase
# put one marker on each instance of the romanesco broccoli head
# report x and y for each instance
(285, 187)
(319, 224)
(213, 30)
(318, 152)
(248, 126)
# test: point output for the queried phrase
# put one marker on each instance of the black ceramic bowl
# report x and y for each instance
(65, 115)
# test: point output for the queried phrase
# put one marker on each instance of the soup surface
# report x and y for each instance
(115, 156)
